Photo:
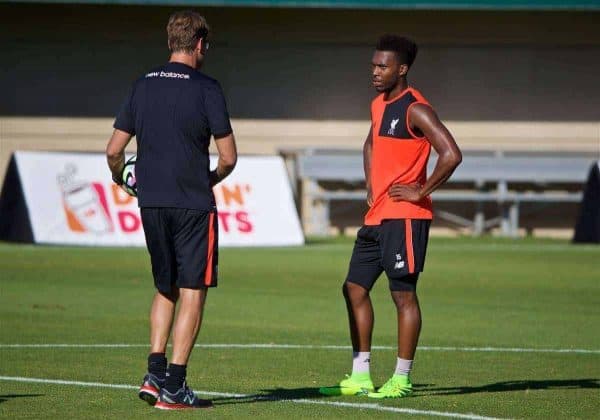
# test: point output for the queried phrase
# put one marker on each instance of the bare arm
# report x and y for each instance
(115, 153)
(227, 158)
(423, 118)
(367, 151)
(449, 156)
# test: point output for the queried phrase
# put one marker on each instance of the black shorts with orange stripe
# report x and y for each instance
(183, 247)
(396, 246)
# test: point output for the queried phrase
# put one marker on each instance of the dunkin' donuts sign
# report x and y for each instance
(87, 209)
(71, 200)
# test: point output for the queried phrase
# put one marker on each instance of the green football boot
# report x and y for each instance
(356, 384)
(398, 386)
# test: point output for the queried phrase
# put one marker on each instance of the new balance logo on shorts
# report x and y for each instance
(399, 263)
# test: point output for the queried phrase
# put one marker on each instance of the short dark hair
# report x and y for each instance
(405, 49)
(184, 30)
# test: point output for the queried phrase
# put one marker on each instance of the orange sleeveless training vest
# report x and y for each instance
(398, 156)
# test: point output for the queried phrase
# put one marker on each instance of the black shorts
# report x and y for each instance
(183, 246)
(396, 246)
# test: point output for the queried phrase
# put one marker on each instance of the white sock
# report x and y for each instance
(361, 361)
(403, 367)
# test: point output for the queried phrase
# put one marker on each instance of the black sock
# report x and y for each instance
(157, 365)
(175, 377)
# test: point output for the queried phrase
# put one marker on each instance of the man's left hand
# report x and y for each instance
(401, 192)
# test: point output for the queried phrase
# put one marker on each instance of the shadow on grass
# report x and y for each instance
(421, 390)
(270, 395)
(281, 394)
(510, 386)
(6, 397)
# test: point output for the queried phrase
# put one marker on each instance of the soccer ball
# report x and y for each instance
(128, 176)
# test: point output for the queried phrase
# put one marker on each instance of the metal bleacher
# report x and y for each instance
(504, 178)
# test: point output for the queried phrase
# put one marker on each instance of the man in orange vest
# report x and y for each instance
(396, 227)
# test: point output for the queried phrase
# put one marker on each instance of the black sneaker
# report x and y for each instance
(184, 398)
(150, 389)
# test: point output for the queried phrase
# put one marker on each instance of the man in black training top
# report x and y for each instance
(173, 111)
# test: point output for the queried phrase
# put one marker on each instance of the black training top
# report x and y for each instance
(173, 111)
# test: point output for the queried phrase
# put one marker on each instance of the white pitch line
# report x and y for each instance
(69, 345)
(397, 409)
(509, 350)
(367, 406)
(103, 385)
(311, 346)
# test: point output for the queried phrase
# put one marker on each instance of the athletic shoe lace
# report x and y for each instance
(393, 386)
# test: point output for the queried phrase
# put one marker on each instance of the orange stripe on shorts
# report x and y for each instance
(409, 246)
(211, 244)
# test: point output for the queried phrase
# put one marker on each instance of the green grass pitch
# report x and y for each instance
(487, 305)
